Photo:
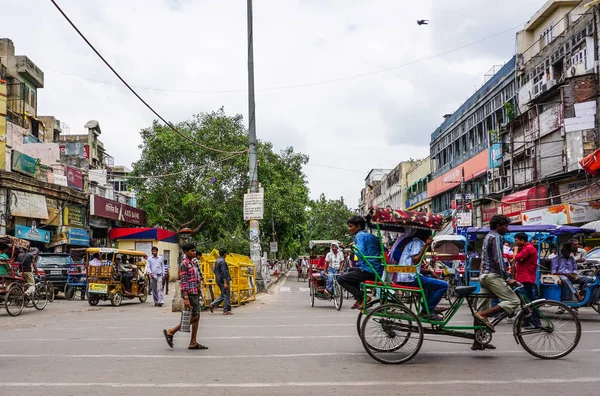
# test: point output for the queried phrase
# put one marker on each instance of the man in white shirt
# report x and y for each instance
(334, 263)
(578, 253)
(96, 260)
(156, 270)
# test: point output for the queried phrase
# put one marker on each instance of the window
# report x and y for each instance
(546, 36)
(32, 99)
(579, 57)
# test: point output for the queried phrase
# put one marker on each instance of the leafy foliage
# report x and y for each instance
(327, 219)
(204, 189)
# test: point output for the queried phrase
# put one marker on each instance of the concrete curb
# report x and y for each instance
(279, 279)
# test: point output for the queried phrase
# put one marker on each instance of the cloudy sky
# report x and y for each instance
(330, 78)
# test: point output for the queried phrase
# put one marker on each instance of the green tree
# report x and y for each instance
(327, 219)
(203, 189)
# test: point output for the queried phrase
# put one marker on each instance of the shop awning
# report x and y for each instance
(157, 234)
(530, 198)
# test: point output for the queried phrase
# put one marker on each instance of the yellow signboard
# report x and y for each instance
(401, 268)
(98, 288)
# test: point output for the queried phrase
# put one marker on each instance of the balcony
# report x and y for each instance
(28, 69)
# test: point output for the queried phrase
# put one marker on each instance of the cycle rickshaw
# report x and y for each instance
(392, 331)
(316, 282)
(449, 255)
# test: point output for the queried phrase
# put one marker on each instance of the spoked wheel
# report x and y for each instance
(93, 300)
(144, 295)
(392, 334)
(116, 299)
(338, 296)
(50, 291)
(69, 292)
(554, 336)
(14, 300)
(596, 305)
(312, 294)
(370, 306)
(40, 296)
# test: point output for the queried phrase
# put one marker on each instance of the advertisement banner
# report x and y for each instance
(74, 178)
(24, 204)
(23, 163)
(98, 222)
(416, 199)
(109, 209)
(32, 233)
(474, 167)
(516, 203)
(584, 212)
(58, 239)
(74, 216)
(54, 217)
(556, 215)
(495, 157)
(78, 236)
(464, 219)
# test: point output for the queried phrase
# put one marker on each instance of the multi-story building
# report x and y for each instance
(459, 147)
(88, 145)
(391, 190)
(416, 187)
(536, 156)
(372, 189)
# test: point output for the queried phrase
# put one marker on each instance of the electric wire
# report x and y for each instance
(135, 93)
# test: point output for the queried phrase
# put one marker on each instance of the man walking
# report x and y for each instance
(190, 277)
(223, 280)
(167, 277)
(156, 271)
(524, 266)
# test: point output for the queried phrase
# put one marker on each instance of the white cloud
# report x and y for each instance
(363, 123)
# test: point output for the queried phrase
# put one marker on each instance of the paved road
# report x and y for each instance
(275, 346)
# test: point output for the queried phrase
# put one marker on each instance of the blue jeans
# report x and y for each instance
(330, 278)
(434, 290)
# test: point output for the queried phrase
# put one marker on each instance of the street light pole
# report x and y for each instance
(253, 171)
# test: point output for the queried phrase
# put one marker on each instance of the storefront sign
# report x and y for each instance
(98, 222)
(473, 167)
(531, 198)
(74, 178)
(54, 217)
(61, 180)
(74, 216)
(109, 209)
(78, 236)
(32, 233)
(58, 239)
(490, 211)
(580, 213)
(464, 219)
(579, 191)
(556, 215)
(24, 204)
(23, 163)
(416, 199)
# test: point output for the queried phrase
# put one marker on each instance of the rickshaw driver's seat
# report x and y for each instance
(463, 291)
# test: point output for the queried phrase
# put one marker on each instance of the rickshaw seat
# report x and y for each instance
(463, 291)
(316, 275)
(394, 285)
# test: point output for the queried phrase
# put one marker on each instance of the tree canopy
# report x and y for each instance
(180, 184)
(327, 219)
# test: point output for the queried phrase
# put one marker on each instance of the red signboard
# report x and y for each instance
(531, 198)
(109, 209)
(86, 151)
(473, 168)
(74, 178)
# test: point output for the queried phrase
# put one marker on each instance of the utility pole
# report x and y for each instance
(253, 168)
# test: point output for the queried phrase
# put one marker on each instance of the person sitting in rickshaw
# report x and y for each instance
(334, 263)
(565, 266)
(368, 245)
(126, 273)
(416, 242)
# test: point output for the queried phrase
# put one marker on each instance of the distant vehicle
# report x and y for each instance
(56, 267)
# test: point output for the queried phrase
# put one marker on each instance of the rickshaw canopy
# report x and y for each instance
(394, 219)
(324, 242)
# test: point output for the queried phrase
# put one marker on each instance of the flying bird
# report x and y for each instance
(423, 22)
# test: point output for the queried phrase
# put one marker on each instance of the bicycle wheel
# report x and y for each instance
(50, 290)
(555, 336)
(312, 294)
(369, 307)
(338, 296)
(14, 300)
(392, 334)
(40, 298)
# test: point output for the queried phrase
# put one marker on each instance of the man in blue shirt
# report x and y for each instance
(368, 245)
(223, 280)
(155, 267)
(565, 266)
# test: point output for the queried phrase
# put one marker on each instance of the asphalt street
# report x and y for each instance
(277, 345)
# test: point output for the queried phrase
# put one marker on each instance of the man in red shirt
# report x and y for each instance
(526, 262)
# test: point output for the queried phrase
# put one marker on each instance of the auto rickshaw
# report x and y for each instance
(106, 283)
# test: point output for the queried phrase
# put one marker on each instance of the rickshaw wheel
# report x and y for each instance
(40, 299)
(312, 294)
(50, 291)
(558, 334)
(596, 306)
(144, 295)
(392, 334)
(93, 300)
(14, 300)
(69, 292)
(338, 296)
(371, 304)
(117, 299)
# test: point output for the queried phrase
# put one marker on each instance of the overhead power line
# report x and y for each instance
(136, 94)
(293, 85)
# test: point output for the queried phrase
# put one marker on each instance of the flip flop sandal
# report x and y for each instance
(485, 323)
(198, 346)
(435, 317)
(169, 338)
(439, 310)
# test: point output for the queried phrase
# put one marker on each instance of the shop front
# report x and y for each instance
(532, 198)
(563, 214)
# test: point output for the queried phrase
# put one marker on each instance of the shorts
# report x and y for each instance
(195, 303)
(28, 276)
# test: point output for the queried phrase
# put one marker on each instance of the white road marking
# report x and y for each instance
(268, 356)
(298, 337)
(304, 289)
(285, 289)
(377, 384)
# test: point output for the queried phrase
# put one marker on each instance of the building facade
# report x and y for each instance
(416, 187)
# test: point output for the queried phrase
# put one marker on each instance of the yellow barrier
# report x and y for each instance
(243, 278)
